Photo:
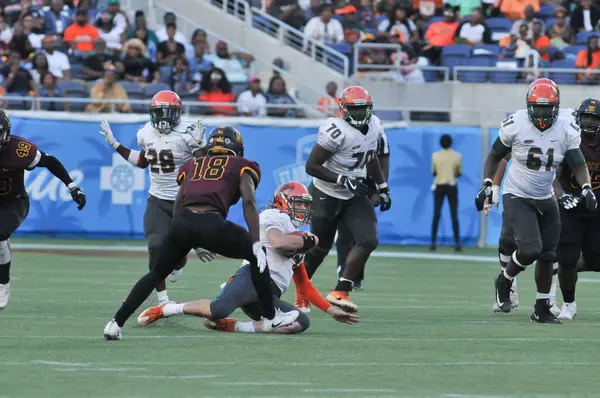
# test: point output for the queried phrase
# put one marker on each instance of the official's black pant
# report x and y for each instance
(441, 192)
(207, 230)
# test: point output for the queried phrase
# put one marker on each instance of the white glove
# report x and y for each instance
(204, 255)
(200, 131)
(108, 135)
(261, 256)
(495, 200)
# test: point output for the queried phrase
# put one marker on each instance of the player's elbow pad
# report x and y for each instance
(134, 157)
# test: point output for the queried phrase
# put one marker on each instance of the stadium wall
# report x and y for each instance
(117, 191)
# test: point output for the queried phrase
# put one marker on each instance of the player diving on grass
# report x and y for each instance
(285, 245)
(344, 155)
(539, 140)
(209, 186)
(17, 155)
(166, 144)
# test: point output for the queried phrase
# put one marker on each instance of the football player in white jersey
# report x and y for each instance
(345, 154)
(166, 144)
(539, 140)
(284, 246)
(506, 243)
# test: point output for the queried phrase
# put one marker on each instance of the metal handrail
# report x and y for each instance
(319, 52)
(458, 69)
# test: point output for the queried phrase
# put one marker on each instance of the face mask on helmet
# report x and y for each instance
(4, 139)
(300, 212)
(165, 119)
(589, 123)
(358, 115)
(542, 115)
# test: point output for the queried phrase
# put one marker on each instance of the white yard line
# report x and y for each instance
(348, 390)
(176, 377)
(262, 383)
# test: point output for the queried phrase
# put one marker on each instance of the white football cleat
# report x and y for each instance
(554, 309)
(568, 311)
(4, 295)
(514, 295)
(112, 331)
(175, 275)
(280, 319)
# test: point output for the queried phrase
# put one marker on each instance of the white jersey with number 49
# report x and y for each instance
(536, 154)
(165, 153)
(351, 152)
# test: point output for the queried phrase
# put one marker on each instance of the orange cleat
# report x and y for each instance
(301, 302)
(222, 325)
(342, 300)
(151, 314)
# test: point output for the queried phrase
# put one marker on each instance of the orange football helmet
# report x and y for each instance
(356, 107)
(165, 111)
(293, 199)
(543, 103)
(544, 80)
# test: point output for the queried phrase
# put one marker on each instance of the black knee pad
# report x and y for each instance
(548, 257)
(506, 245)
(219, 309)
(369, 245)
(304, 321)
(526, 257)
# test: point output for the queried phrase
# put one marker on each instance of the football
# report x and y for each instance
(292, 253)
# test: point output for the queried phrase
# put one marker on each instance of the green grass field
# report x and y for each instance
(427, 330)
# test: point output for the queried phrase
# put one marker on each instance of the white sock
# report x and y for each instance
(510, 278)
(554, 283)
(504, 259)
(244, 327)
(171, 309)
(542, 296)
(162, 297)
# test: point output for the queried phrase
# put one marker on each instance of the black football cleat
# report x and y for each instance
(542, 314)
(503, 286)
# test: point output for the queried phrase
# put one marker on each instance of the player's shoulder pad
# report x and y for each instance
(511, 123)
(251, 168)
(568, 124)
(185, 128)
(377, 122)
(271, 216)
(144, 129)
(22, 145)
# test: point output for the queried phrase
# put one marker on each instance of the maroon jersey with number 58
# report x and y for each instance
(15, 158)
(215, 180)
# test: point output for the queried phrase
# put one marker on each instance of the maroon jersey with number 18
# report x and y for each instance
(15, 158)
(215, 180)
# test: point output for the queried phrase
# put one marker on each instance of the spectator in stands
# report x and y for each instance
(111, 34)
(277, 94)
(81, 35)
(34, 29)
(439, 35)
(528, 20)
(585, 16)
(287, 11)
(91, 10)
(216, 88)
(324, 28)
(199, 62)
(6, 33)
(230, 62)
(39, 66)
(366, 13)
(137, 67)
(466, 7)
(313, 10)
(561, 34)
(143, 34)
(3, 101)
(474, 31)
(20, 42)
(93, 65)
(58, 63)
(327, 104)
(540, 41)
(267, 75)
(517, 46)
(140, 23)
(181, 79)
(404, 62)
(17, 79)
(108, 89)
(398, 22)
(589, 59)
(57, 17)
(533, 61)
(252, 102)
(198, 37)
(353, 28)
(162, 34)
(49, 89)
(119, 18)
(168, 50)
(515, 9)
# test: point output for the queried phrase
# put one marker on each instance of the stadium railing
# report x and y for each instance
(482, 74)
(256, 18)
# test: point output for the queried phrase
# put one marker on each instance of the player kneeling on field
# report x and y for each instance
(285, 247)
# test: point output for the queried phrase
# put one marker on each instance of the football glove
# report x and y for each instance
(261, 255)
(385, 202)
(356, 185)
(204, 255)
(77, 195)
(484, 196)
(568, 201)
(494, 202)
(108, 134)
(587, 196)
(199, 133)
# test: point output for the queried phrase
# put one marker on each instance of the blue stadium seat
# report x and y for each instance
(552, 52)
(582, 37)
(505, 75)
(564, 77)
(76, 71)
(547, 10)
(550, 22)
(381, 18)
(238, 88)
(72, 87)
(477, 76)
(455, 55)
(494, 49)
(76, 106)
(573, 50)
(139, 108)
(499, 24)
(344, 48)
(132, 88)
(165, 74)
(152, 88)
(389, 115)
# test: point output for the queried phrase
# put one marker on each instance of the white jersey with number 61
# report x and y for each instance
(536, 154)
(351, 152)
(165, 153)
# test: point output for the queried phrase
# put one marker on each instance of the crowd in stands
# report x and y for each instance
(94, 49)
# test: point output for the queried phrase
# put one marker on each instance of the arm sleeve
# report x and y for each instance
(55, 167)
(308, 289)
(573, 137)
(253, 169)
(383, 146)
(330, 136)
